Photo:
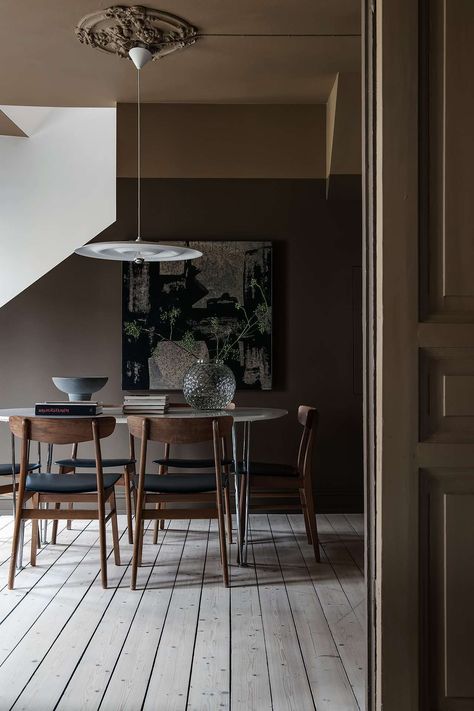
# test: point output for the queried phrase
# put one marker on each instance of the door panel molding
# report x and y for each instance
(447, 537)
(447, 395)
(447, 289)
(445, 452)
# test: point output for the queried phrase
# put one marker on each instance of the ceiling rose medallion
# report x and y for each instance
(119, 28)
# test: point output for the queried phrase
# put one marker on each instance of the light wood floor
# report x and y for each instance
(288, 635)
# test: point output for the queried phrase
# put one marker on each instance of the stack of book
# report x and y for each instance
(145, 404)
(68, 409)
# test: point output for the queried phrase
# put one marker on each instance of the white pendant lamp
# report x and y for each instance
(137, 250)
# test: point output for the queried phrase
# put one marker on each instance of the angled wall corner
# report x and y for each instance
(343, 132)
(57, 188)
(330, 121)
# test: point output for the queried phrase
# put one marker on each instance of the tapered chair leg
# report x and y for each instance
(54, 527)
(115, 534)
(137, 546)
(159, 524)
(134, 499)
(66, 470)
(228, 514)
(305, 515)
(312, 524)
(142, 536)
(222, 540)
(156, 528)
(102, 544)
(15, 544)
(34, 532)
(128, 504)
(243, 491)
(69, 522)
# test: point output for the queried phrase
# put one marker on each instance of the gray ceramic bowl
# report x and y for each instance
(80, 388)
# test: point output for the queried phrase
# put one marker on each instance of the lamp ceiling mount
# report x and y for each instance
(120, 28)
(140, 56)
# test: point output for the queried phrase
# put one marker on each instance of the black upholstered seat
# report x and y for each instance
(181, 483)
(6, 469)
(90, 463)
(269, 469)
(64, 484)
(190, 463)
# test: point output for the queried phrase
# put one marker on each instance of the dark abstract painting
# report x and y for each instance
(214, 307)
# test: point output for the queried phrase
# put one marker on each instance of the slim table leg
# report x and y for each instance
(247, 491)
(237, 492)
(242, 492)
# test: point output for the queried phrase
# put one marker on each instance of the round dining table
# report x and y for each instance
(241, 415)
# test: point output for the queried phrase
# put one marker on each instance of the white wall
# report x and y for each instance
(57, 189)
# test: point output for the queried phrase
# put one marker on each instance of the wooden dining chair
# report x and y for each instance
(87, 488)
(6, 474)
(127, 464)
(281, 481)
(203, 488)
(166, 462)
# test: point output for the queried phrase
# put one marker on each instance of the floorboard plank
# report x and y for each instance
(346, 629)
(5, 520)
(44, 595)
(28, 654)
(61, 660)
(128, 683)
(328, 679)
(348, 537)
(210, 674)
(349, 574)
(108, 615)
(169, 679)
(27, 577)
(289, 682)
(357, 523)
(250, 681)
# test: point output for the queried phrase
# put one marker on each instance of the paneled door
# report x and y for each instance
(423, 290)
(446, 355)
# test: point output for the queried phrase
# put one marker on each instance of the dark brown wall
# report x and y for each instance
(69, 322)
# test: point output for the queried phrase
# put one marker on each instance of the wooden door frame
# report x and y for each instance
(369, 333)
(390, 254)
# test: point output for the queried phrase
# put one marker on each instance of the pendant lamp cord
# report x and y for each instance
(138, 160)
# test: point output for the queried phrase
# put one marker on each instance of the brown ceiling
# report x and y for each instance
(295, 49)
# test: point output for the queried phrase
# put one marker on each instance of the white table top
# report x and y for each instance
(240, 414)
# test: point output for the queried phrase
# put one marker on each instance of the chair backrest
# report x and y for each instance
(179, 430)
(309, 418)
(61, 430)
